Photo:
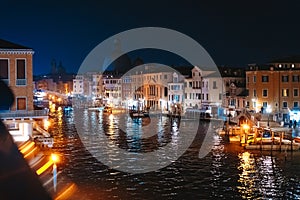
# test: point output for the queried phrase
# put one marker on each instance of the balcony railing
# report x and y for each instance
(23, 114)
(21, 82)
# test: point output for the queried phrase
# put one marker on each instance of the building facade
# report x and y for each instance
(16, 71)
(274, 88)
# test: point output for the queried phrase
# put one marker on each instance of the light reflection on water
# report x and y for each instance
(228, 172)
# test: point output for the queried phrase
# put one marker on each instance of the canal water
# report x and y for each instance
(226, 172)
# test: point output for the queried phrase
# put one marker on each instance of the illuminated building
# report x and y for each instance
(276, 85)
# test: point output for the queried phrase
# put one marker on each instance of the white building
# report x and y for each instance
(78, 85)
(176, 91)
(97, 85)
(112, 90)
(212, 92)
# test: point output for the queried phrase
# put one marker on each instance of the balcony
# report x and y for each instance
(24, 114)
(196, 87)
(21, 82)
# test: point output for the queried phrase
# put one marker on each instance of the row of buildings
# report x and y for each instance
(269, 88)
(155, 86)
(273, 87)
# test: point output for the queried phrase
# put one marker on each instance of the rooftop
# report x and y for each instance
(4, 44)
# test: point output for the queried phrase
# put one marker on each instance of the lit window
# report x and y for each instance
(285, 92)
(21, 103)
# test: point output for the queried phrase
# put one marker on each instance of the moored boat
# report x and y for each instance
(138, 114)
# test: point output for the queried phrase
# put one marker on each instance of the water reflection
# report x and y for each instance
(227, 172)
(260, 177)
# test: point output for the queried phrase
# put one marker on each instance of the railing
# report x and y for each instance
(250, 117)
(23, 114)
(21, 82)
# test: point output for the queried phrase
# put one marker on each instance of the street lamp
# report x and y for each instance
(269, 110)
(54, 159)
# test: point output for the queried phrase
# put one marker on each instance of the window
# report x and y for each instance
(254, 79)
(254, 93)
(215, 85)
(285, 78)
(295, 78)
(165, 76)
(265, 79)
(284, 104)
(254, 104)
(220, 96)
(4, 69)
(265, 93)
(21, 103)
(285, 92)
(21, 72)
(296, 93)
(206, 96)
(296, 104)
(265, 104)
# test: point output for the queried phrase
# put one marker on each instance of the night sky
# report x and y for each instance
(234, 33)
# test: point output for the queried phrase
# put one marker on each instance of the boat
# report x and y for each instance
(138, 114)
(95, 108)
(297, 139)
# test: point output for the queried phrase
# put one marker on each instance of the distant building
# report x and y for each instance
(112, 90)
(235, 88)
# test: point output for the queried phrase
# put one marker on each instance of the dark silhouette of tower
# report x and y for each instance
(53, 67)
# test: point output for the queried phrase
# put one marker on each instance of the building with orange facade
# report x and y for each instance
(16, 71)
(274, 88)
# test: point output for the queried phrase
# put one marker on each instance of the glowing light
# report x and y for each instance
(54, 158)
(269, 109)
(246, 127)
(26, 147)
(44, 167)
(46, 124)
(31, 152)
